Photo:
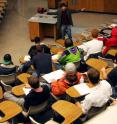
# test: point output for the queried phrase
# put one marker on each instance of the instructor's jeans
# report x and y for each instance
(66, 31)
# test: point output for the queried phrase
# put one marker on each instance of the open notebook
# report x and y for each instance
(53, 76)
(82, 88)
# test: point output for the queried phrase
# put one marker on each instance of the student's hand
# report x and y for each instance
(83, 9)
(27, 85)
(78, 104)
(103, 70)
(114, 102)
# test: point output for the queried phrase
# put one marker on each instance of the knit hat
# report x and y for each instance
(70, 68)
(7, 59)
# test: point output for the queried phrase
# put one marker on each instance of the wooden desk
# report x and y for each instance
(1, 93)
(72, 92)
(108, 70)
(10, 109)
(18, 90)
(42, 25)
(68, 110)
(23, 77)
(61, 42)
(96, 64)
(112, 52)
(56, 49)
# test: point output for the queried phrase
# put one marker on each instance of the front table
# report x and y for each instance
(42, 25)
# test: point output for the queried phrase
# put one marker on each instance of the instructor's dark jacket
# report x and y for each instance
(69, 13)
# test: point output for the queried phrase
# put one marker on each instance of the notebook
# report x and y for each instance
(53, 76)
(82, 88)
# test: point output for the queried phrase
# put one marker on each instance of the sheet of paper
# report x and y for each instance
(26, 90)
(56, 57)
(53, 76)
(82, 88)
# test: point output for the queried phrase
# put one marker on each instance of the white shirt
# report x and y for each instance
(91, 47)
(98, 96)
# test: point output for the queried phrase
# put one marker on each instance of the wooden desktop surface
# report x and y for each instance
(96, 63)
(68, 110)
(23, 77)
(18, 90)
(10, 109)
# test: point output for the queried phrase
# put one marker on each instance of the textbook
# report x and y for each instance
(54, 76)
(82, 88)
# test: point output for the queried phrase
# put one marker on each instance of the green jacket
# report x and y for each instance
(71, 54)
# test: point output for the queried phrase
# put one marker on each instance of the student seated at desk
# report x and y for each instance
(99, 94)
(33, 50)
(71, 53)
(37, 95)
(42, 62)
(94, 47)
(7, 66)
(110, 42)
(71, 78)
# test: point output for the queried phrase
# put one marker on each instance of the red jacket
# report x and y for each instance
(59, 87)
(110, 42)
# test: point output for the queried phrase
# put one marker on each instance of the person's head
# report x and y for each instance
(71, 72)
(68, 43)
(95, 33)
(63, 6)
(34, 82)
(93, 76)
(7, 59)
(37, 40)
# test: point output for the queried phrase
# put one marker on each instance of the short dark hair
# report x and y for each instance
(63, 4)
(37, 40)
(93, 75)
(7, 57)
(33, 82)
(95, 33)
(68, 43)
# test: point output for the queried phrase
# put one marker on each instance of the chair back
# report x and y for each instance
(108, 61)
(33, 121)
(68, 110)
(8, 79)
(96, 110)
(5, 86)
(38, 108)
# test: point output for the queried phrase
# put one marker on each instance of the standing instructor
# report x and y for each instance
(64, 20)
